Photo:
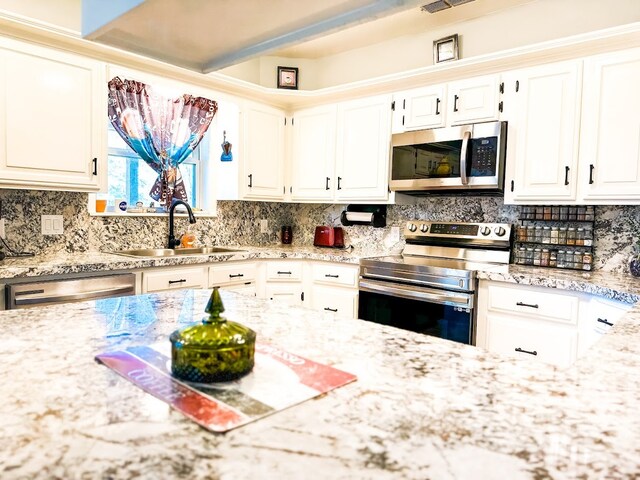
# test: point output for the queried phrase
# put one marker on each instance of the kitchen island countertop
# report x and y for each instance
(422, 407)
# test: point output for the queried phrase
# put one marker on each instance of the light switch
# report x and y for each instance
(52, 224)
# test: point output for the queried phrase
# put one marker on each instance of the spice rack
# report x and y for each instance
(555, 237)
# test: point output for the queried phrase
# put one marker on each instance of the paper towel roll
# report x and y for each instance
(360, 217)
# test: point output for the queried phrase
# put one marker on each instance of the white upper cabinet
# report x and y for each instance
(53, 119)
(610, 129)
(263, 157)
(420, 108)
(313, 154)
(543, 114)
(471, 100)
(474, 100)
(363, 148)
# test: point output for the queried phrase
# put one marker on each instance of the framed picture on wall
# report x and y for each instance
(288, 77)
(445, 49)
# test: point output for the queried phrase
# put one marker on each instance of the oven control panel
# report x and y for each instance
(418, 230)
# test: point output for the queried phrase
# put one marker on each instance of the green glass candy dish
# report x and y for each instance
(216, 350)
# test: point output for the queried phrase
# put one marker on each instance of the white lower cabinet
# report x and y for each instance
(333, 288)
(543, 324)
(283, 280)
(531, 338)
(236, 276)
(341, 301)
(173, 279)
(534, 323)
(290, 293)
(597, 316)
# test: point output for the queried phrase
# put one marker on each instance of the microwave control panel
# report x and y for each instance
(484, 153)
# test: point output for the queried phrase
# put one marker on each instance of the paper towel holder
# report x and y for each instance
(378, 215)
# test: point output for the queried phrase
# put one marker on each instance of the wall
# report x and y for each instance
(616, 229)
(62, 13)
(522, 25)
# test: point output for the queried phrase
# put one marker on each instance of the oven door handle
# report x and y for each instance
(432, 295)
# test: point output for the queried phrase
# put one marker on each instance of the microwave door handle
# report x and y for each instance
(463, 157)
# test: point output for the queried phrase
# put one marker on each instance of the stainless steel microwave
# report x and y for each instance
(466, 158)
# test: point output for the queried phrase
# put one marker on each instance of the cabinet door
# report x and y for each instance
(597, 316)
(340, 301)
(53, 119)
(290, 293)
(543, 132)
(422, 108)
(263, 158)
(363, 147)
(531, 339)
(473, 100)
(610, 131)
(313, 154)
(249, 289)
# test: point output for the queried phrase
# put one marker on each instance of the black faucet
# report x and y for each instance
(173, 243)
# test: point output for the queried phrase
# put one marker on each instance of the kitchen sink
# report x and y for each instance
(167, 252)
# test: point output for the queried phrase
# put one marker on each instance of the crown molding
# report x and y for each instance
(573, 47)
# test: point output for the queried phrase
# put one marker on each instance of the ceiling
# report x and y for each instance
(205, 35)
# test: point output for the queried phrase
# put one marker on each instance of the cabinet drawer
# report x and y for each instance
(174, 279)
(248, 288)
(332, 274)
(527, 339)
(230, 273)
(284, 271)
(533, 301)
(340, 301)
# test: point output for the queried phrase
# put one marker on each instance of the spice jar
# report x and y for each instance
(536, 256)
(554, 235)
(571, 236)
(561, 259)
(544, 258)
(588, 237)
(553, 258)
(589, 214)
(562, 236)
(580, 236)
(529, 257)
(522, 234)
(546, 234)
(587, 260)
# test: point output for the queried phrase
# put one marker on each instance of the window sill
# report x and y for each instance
(145, 214)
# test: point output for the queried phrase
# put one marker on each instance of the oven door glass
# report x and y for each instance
(437, 319)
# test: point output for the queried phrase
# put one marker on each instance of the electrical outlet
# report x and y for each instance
(264, 226)
(3, 234)
(52, 224)
(395, 234)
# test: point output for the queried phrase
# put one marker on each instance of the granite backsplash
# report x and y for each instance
(616, 228)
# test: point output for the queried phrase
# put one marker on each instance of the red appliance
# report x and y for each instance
(326, 236)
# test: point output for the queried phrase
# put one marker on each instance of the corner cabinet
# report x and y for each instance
(610, 136)
(543, 111)
(53, 119)
(263, 153)
(363, 150)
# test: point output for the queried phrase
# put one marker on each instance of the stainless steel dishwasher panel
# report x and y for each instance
(51, 292)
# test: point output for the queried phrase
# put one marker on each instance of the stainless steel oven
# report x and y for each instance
(431, 287)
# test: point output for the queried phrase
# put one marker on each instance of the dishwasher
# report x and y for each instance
(51, 292)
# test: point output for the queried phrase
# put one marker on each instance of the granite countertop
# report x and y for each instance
(66, 263)
(422, 407)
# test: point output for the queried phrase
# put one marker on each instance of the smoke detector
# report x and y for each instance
(438, 5)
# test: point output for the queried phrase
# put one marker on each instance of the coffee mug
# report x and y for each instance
(101, 205)
(121, 205)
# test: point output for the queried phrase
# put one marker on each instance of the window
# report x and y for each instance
(129, 177)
